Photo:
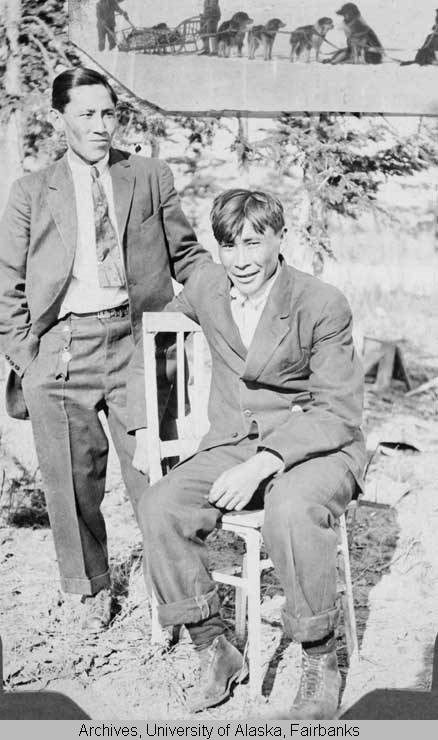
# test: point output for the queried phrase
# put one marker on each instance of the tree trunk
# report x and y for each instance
(242, 147)
(155, 146)
(11, 137)
(11, 140)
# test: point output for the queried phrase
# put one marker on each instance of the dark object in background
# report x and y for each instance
(363, 45)
(383, 360)
(232, 33)
(306, 38)
(427, 54)
(106, 22)
(166, 37)
(37, 704)
(209, 22)
(399, 703)
(264, 35)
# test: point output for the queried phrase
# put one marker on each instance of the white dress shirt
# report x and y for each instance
(247, 310)
(84, 293)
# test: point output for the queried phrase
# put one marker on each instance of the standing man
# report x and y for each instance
(86, 245)
(209, 23)
(106, 22)
(285, 409)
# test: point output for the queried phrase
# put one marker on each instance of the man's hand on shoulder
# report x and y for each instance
(234, 489)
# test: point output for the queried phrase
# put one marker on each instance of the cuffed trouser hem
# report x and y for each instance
(309, 629)
(86, 586)
(189, 611)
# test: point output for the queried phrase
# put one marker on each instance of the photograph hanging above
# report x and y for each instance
(266, 56)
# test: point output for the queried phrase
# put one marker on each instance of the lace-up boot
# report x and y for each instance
(222, 666)
(318, 692)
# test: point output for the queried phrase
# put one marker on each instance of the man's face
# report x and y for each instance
(252, 258)
(89, 122)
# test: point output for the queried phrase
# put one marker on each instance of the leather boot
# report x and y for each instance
(318, 692)
(222, 666)
(97, 614)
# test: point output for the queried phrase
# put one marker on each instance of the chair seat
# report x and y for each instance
(253, 519)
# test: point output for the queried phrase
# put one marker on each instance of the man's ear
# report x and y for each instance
(56, 120)
(283, 232)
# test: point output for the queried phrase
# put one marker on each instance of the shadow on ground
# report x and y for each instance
(399, 704)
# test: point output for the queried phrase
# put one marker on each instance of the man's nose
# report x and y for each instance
(242, 257)
(99, 123)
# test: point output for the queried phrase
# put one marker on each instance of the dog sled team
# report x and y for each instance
(228, 37)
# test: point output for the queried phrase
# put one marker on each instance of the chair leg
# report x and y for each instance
(351, 517)
(157, 633)
(240, 603)
(347, 598)
(253, 541)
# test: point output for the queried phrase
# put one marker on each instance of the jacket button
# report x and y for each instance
(247, 412)
(235, 434)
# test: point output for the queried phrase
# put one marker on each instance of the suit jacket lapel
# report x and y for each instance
(226, 326)
(123, 187)
(60, 197)
(272, 327)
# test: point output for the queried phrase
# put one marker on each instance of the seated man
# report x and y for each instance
(285, 408)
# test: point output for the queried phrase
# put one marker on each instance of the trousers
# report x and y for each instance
(209, 28)
(301, 509)
(106, 30)
(81, 370)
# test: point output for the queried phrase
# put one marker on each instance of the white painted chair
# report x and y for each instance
(246, 524)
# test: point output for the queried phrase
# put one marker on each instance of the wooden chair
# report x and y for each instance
(246, 524)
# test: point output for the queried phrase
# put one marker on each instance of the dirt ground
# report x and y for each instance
(120, 675)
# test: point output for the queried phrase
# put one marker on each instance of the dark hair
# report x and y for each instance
(76, 77)
(232, 207)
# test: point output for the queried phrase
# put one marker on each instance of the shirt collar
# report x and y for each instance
(78, 166)
(235, 293)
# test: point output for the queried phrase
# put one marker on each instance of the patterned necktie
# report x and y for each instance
(109, 263)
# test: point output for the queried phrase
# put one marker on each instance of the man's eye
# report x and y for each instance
(227, 246)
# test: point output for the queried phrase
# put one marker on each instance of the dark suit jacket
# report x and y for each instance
(302, 355)
(38, 243)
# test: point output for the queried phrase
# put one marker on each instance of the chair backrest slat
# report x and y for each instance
(151, 394)
(198, 373)
(187, 443)
(180, 375)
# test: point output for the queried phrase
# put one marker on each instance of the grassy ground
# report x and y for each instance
(45, 647)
